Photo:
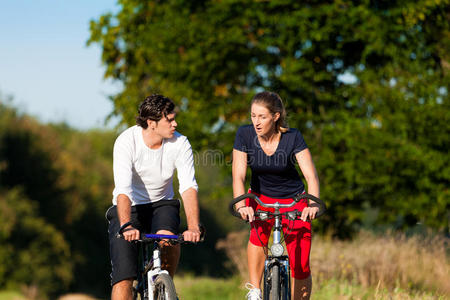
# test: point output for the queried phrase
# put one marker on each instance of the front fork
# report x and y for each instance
(285, 277)
(285, 271)
(155, 270)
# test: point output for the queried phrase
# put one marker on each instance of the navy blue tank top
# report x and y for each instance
(275, 175)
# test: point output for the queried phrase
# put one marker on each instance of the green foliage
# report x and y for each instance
(33, 252)
(56, 184)
(365, 81)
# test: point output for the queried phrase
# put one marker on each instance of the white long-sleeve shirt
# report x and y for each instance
(146, 175)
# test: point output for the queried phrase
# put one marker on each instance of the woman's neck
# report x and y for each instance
(271, 136)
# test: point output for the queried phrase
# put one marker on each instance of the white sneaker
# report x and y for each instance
(253, 293)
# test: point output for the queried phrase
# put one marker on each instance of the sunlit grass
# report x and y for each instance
(205, 288)
(11, 295)
(189, 287)
(202, 288)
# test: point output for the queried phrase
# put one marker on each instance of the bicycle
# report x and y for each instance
(276, 266)
(153, 282)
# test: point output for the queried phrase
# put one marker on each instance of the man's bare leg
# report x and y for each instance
(122, 290)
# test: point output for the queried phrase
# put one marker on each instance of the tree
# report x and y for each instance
(56, 185)
(355, 75)
(33, 252)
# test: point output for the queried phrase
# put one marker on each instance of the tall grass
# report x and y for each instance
(382, 262)
(388, 261)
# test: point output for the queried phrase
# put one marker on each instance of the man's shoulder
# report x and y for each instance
(130, 131)
(128, 135)
(177, 139)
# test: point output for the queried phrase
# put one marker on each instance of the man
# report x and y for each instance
(145, 158)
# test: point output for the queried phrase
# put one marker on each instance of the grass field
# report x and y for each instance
(370, 266)
(194, 288)
(11, 295)
(190, 288)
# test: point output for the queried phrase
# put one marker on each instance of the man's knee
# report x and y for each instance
(122, 289)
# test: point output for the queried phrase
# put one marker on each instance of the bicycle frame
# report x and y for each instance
(152, 267)
(277, 250)
(150, 275)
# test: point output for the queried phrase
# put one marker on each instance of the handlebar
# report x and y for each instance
(277, 205)
(146, 237)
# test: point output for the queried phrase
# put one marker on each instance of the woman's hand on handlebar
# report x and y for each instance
(309, 213)
(247, 213)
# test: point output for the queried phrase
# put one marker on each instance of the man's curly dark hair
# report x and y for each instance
(154, 108)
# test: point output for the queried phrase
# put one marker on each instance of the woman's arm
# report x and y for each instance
(308, 169)
(239, 170)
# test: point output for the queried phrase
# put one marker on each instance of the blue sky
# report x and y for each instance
(45, 64)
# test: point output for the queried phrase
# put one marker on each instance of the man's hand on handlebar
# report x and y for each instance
(130, 233)
(192, 235)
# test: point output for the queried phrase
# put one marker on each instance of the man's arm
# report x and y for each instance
(122, 170)
(191, 208)
(188, 190)
(124, 214)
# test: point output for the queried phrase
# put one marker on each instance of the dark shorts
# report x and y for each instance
(147, 218)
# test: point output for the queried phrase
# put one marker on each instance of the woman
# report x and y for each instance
(271, 149)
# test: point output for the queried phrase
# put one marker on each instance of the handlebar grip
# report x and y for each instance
(122, 228)
(297, 198)
(236, 200)
(202, 232)
(319, 201)
(202, 235)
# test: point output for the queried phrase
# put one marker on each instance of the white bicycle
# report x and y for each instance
(153, 282)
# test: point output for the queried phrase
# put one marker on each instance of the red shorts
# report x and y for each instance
(297, 235)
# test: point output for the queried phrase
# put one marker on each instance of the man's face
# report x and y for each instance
(166, 126)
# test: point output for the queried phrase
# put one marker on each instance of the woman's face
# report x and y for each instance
(263, 120)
